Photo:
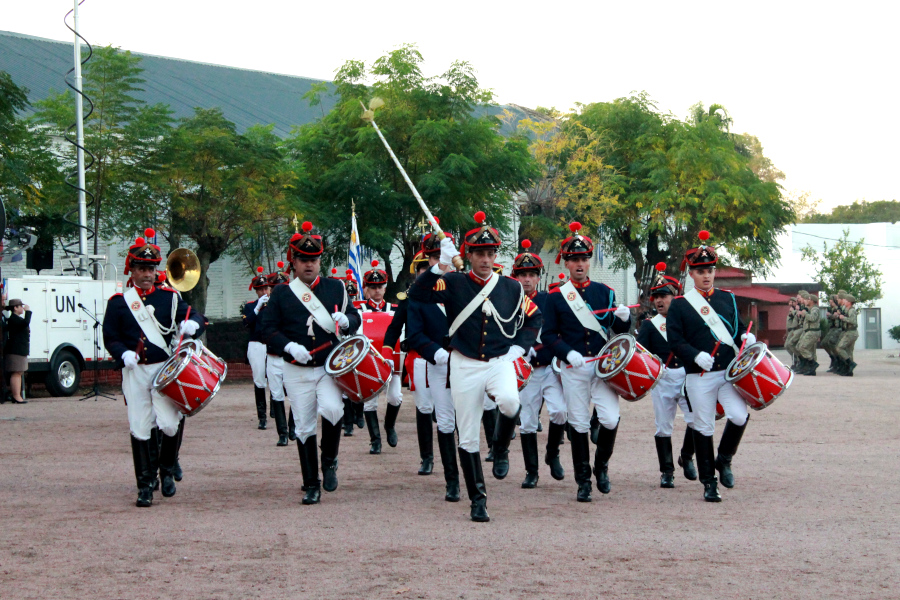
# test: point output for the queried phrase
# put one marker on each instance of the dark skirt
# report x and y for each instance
(16, 363)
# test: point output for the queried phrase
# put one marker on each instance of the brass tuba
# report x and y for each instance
(183, 269)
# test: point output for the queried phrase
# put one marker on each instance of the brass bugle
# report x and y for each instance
(183, 269)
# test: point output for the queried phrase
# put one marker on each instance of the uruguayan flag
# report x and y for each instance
(355, 256)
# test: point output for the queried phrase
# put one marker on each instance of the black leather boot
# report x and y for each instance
(471, 468)
(666, 465)
(606, 441)
(831, 365)
(261, 406)
(595, 427)
(801, 365)
(489, 421)
(280, 423)
(155, 440)
(331, 441)
(554, 440)
(374, 431)
(168, 452)
(390, 421)
(728, 445)
(358, 414)
(143, 473)
(425, 433)
(812, 365)
(177, 473)
(703, 445)
(530, 454)
(502, 436)
(309, 466)
(348, 417)
(686, 457)
(447, 448)
(581, 464)
(292, 434)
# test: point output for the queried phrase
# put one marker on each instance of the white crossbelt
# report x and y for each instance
(580, 309)
(315, 307)
(710, 317)
(146, 321)
(659, 322)
(475, 303)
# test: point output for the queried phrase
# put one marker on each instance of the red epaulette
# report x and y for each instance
(610, 287)
(167, 289)
(677, 297)
(116, 294)
(553, 290)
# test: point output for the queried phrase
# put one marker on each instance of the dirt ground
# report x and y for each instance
(814, 513)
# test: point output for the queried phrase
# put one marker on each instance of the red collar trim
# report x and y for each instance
(145, 293)
(376, 306)
(706, 295)
(581, 286)
(477, 279)
(315, 283)
(532, 295)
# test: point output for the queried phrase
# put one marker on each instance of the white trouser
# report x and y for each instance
(488, 403)
(581, 387)
(470, 379)
(275, 376)
(256, 354)
(435, 396)
(311, 391)
(667, 397)
(392, 391)
(703, 392)
(543, 385)
(147, 406)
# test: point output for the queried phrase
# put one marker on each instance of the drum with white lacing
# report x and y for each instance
(758, 376)
(628, 368)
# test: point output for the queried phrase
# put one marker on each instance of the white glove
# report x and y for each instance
(531, 352)
(130, 359)
(300, 353)
(749, 337)
(705, 361)
(448, 251)
(623, 312)
(441, 357)
(575, 359)
(514, 353)
(189, 328)
(260, 303)
(341, 319)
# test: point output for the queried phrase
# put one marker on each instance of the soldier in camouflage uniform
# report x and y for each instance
(834, 330)
(849, 335)
(793, 332)
(809, 324)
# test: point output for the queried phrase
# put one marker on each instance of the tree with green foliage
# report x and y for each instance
(120, 133)
(844, 266)
(881, 211)
(216, 186)
(458, 161)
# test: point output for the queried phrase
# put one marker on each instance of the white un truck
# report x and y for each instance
(62, 333)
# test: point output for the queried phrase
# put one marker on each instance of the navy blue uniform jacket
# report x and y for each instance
(479, 336)
(544, 354)
(426, 328)
(689, 335)
(395, 329)
(285, 319)
(563, 331)
(249, 319)
(121, 331)
(650, 338)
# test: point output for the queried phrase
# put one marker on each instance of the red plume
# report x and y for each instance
(140, 241)
(259, 269)
(333, 270)
(703, 235)
(149, 232)
(526, 244)
(562, 276)
(574, 226)
(374, 263)
(349, 271)
(480, 217)
(661, 267)
(280, 264)
(296, 237)
(436, 220)
(161, 276)
(307, 226)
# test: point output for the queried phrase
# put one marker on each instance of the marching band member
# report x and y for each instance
(427, 331)
(705, 329)
(352, 410)
(138, 327)
(492, 323)
(275, 374)
(574, 333)
(375, 284)
(256, 350)
(299, 318)
(666, 394)
(544, 384)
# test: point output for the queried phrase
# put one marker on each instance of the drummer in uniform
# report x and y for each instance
(256, 350)
(353, 411)
(375, 284)
(544, 385)
(492, 324)
(426, 332)
(667, 393)
(849, 335)
(138, 328)
(574, 333)
(705, 330)
(299, 319)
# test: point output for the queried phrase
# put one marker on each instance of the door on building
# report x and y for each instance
(872, 328)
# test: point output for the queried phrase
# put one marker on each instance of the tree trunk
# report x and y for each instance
(197, 296)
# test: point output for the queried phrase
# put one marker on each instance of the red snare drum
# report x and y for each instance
(720, 411)
(358, 369)
(630, 369)
(189, 380)
(758, 376)
(374, 327)
(212, 361)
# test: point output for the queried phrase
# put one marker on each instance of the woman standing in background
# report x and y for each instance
(16, 351)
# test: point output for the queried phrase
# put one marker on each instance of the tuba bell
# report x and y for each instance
(183, 269)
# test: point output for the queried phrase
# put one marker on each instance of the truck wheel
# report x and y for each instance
(65, 374)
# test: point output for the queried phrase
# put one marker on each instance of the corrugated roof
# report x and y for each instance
(761, 293)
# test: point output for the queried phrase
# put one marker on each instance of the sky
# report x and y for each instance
(814, 81)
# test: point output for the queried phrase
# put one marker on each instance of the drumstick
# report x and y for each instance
(713, 355)
(337, 328)
(668, 360)
(606, 310)
(316, 349)
(744, 343)
(593, 359)
(187, 314)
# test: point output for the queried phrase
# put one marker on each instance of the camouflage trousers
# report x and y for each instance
(790, 344)
(844, 347)
(830, 341)
(806, 346)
